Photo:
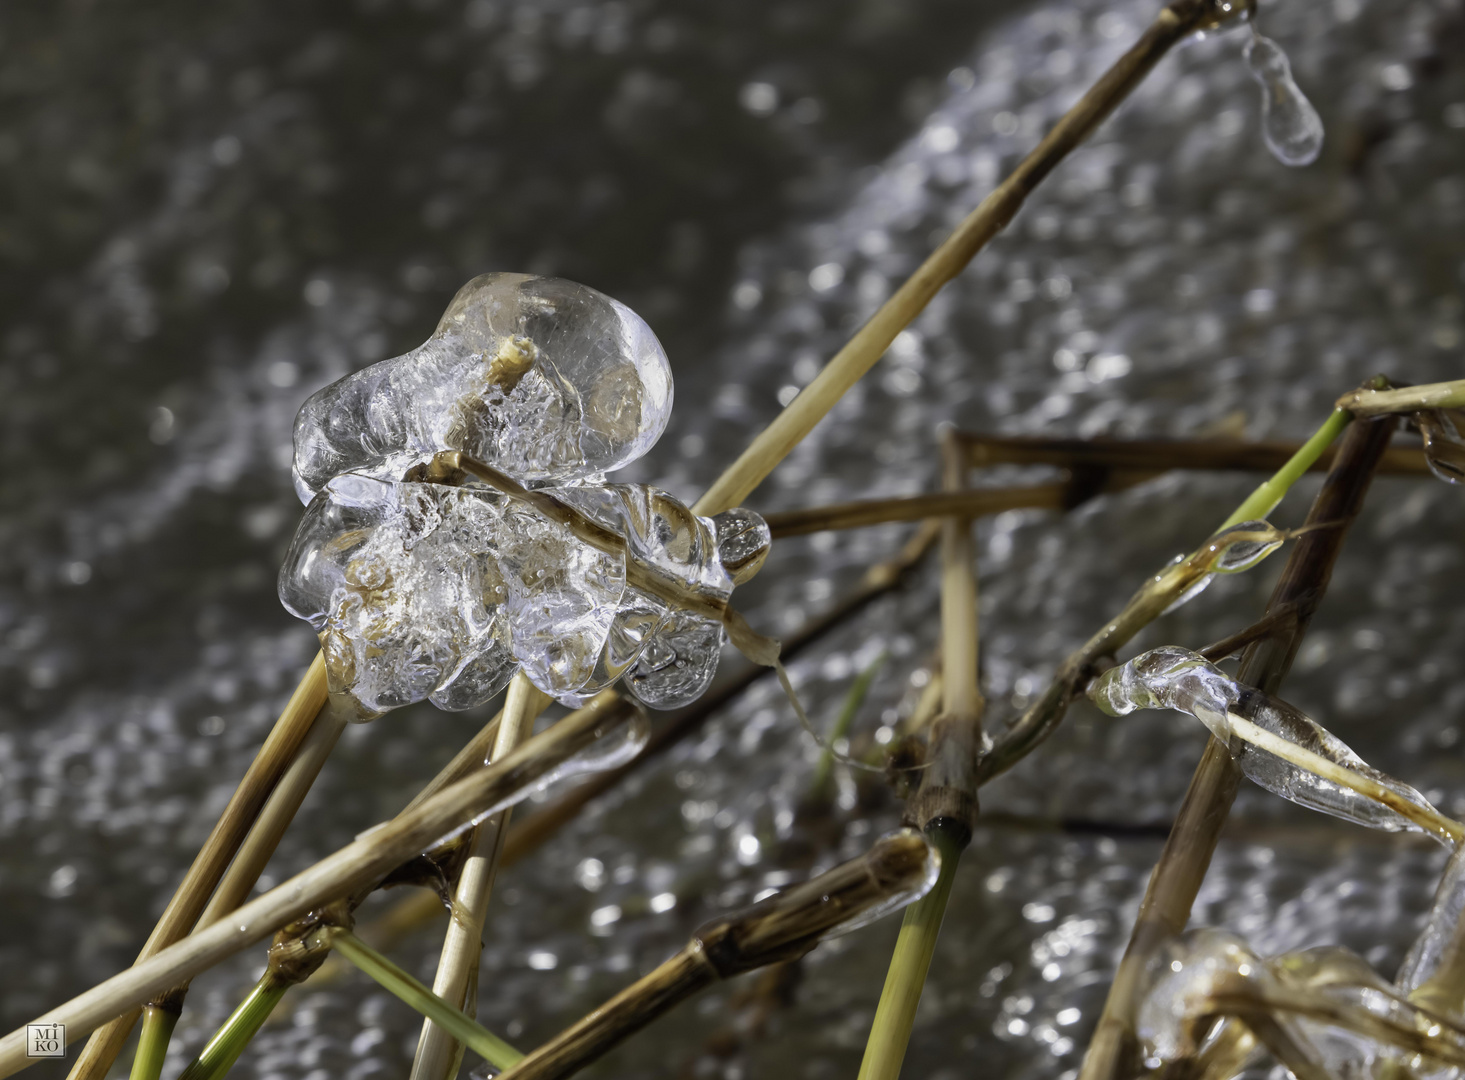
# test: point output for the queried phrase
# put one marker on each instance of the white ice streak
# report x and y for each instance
(1174, 678)
(1290, 125)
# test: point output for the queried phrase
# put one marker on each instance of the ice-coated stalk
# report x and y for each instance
(393, 979)
(898, 869)
(1155, 597)
(1113, 1051)
(1288, 753)
(1408, 399)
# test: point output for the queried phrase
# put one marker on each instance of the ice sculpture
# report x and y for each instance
(1176, 678)
(458, 528)
(548, 380)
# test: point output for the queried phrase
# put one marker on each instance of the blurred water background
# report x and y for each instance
(211, 211)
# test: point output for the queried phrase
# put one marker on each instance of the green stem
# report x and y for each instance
(1265, 498)
(223, 1050)
(152, 1042)
(469, 1032)
(819, 786)
(891, 1031)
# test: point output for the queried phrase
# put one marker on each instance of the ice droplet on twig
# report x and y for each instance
(1444, 449)
(545, 379)
(1174, 678)
(1290, 125)
(1234, 549)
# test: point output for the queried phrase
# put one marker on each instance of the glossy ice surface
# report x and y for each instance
(211, 223)
(545, 379)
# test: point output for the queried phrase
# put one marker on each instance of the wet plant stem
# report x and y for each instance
(213, 859)
(914, 948)
(462, 945)
(444, 1016)
(945, 806)
(1114, 1050)
(1369, 402)
(158, 1022)
(222, 1051)
(1040, 719)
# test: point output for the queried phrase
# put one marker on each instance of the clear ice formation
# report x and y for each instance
(1290, 125)
(422, 590)
(444, 590)
(1174, 678)
(1232, 550)
(1444, 449)
(542, 378)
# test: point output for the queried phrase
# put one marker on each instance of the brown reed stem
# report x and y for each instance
(530, 833)
(781, 928)
(1113, 1053)
(213, 858)
(437, 1050)
(994, 212)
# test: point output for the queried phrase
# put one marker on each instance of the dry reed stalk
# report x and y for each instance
(1160, 455)
(994, 212)
(1367, 402)
(212, 860)
(969, 504)
(945, 805)
(437, 1050)
(358, 864)
(1177, 877)
(781, 928)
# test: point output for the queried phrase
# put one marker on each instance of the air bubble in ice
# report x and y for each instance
(1290, 125)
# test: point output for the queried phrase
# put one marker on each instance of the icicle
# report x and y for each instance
(1290, 125)
(1175, 678)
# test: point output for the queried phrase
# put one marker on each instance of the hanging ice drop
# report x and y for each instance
(1290, 125)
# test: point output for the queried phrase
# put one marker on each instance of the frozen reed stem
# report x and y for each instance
(1443, 395)
(945, 805)
(848, 365)
(437, 1050)
(1177, 877)
(213, 858)
(1153, 598)
(781, 928)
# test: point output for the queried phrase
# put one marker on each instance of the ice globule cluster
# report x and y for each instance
(548, 380)
(1291, 127)
(1175, 678)
(425, 581)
